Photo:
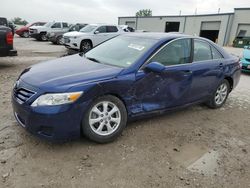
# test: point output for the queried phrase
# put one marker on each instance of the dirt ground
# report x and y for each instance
(194, 147)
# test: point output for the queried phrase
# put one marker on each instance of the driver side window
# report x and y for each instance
(56, 25)
(175, 53)
(102, 29)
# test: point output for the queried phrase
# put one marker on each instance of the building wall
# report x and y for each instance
(241, 16)
(191, 24)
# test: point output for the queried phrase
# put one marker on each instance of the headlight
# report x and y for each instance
(53, 99)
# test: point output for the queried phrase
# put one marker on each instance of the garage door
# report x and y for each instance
(130, 24)
(243, 30)
(210, 26)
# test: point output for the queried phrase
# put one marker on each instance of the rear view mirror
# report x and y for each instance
(155, 67)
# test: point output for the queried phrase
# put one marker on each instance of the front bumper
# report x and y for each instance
(71, 43)
(245, 65)
(54, 123)
(34, 35)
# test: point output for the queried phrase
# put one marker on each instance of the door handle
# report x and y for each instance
(188, 71)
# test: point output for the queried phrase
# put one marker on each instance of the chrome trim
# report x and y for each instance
(18, 120)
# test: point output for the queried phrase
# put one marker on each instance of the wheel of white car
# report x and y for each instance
(43, 37)
(105, 119)
(220, 95)
(85, 46)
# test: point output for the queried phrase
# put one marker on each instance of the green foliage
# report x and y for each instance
(144, 12)
(19, 21)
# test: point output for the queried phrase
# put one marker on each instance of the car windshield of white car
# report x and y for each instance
(121, 51)
(88, 28)
(48, 24)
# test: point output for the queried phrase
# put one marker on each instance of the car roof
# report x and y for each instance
(102, 24)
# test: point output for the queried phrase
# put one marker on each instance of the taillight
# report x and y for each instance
(9, 38)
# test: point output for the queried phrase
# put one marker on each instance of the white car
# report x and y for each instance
(39, 32)
(90, 36)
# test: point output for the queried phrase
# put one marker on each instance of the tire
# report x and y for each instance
(43, 37)
(220, 95)
(25, 34)
(110, 124)
(59, 40)
(85, 46)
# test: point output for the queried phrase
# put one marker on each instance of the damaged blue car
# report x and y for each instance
(128, 77)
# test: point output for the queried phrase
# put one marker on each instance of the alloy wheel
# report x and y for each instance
(221, 94)
(104, 118)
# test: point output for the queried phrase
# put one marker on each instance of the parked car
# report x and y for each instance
(56, 37)
(90, 36)
(24, 31)
(126, 28)
(245, 60)
(6, 39)
(130, 76)
(40, 32)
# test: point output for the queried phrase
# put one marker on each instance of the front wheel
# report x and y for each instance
(43, 37)
(105, 119)
(220, 95)
(85, 46)
(26, 34)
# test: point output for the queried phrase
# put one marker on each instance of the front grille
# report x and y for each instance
(22, 94)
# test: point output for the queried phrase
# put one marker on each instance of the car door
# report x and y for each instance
(207, 68)
(170, 88)
(65, 27)
(100, 35)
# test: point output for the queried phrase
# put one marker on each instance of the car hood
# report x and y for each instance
(246, 53)
(61, 74)
(75, 34)
(22, 28)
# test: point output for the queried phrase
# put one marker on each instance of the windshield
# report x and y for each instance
(88, 28)
(48, 24)
(121, 51)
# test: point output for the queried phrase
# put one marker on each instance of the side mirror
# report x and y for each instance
(155, 67)
(96, 32)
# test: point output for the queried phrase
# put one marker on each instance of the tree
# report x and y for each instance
(19, 21)
(144, 12)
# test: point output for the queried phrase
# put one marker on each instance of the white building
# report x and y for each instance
(221, 28)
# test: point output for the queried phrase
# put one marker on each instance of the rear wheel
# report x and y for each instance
(85, 46)
(105, 119)
(220, 95)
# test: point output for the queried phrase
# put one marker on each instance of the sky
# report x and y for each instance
(108, 11)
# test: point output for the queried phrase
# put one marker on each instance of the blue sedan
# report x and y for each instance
(133, 75)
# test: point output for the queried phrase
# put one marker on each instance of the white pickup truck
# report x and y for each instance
(39, 32)
(90, 36)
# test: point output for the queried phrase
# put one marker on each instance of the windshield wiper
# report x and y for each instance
(93, 59)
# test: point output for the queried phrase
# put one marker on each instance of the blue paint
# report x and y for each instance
(144, 91)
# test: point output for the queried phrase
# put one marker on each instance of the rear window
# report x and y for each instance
(202, 51)
(111, 29)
